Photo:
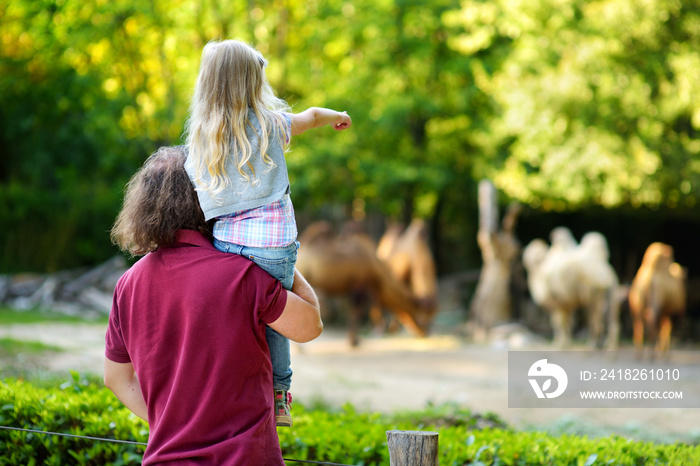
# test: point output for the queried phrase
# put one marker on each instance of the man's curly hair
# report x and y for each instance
(159, 201)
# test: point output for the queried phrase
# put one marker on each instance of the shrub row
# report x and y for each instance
(77, 407)
(86, 408)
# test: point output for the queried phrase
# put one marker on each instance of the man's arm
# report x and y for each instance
(301, 318)
(122, 380)
(315, 117)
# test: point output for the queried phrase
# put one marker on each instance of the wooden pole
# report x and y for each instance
(412, 448)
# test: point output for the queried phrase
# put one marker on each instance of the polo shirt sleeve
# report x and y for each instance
(269, 297)
(115, 347)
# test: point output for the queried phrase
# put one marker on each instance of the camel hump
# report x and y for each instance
(321, 230)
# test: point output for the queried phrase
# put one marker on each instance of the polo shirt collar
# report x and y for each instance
(193, 238)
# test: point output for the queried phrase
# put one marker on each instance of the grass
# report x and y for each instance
(22, 358)
(9, 316)
(10, 347)
(18, 360)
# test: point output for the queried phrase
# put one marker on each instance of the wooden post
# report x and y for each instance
(412, 448)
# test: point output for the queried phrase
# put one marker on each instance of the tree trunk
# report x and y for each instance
(491, 304)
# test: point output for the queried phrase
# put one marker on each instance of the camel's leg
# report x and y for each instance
(613, 337)
(359, 301)
(651, 325)
(638, 332)
(595, 321)
(393, 326)
(561, 323)
(376, 315)
(354, 323)
(664, 338)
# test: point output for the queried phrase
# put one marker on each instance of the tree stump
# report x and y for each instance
(412, 448)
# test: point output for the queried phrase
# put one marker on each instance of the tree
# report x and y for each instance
(562, 103)
(492, 301)
(598, 100)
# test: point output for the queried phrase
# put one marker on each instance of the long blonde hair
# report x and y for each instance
(231, 81)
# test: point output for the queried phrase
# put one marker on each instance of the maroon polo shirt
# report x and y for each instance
(192, 321)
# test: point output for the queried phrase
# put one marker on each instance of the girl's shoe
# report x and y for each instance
(283, 406)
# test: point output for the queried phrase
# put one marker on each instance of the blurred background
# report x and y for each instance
(585, 113)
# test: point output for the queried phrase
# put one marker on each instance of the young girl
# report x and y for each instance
(237, 133)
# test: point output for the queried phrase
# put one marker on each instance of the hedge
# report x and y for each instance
(84, 407)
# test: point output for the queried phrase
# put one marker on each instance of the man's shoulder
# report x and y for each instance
(214, 261)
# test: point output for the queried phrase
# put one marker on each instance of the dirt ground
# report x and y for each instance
(397, 373)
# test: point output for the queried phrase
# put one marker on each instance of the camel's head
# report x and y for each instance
(562, 238)
(428, 307)
(658, 255)
(595, 243)
(534, 254)
(419, 317)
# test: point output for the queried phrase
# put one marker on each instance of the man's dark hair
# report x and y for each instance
(159, 201)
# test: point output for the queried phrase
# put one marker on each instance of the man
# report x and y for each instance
(185, 346)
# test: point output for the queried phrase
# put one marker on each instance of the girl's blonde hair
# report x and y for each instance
(231, 81)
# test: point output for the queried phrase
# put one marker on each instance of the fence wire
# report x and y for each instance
(129, 442)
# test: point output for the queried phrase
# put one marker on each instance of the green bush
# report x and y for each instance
(350, 437)
(77, 407)
(86, 408)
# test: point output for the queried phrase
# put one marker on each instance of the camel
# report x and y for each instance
(408, 256)
(347, 265)
(566, 277)
(657, 296)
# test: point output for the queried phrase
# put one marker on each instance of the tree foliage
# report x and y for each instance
(563, 103)
(598, 100)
